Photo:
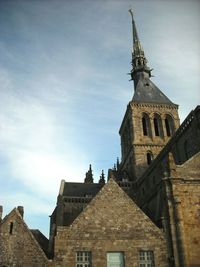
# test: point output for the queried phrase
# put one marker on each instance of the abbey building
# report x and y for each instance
(147, 214)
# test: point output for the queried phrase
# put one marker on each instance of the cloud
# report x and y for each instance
(64, 87)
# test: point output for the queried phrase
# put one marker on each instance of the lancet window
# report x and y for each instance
(169, 125)
(158, 125)
(146, 125)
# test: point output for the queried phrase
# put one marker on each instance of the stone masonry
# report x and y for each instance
(110, 222)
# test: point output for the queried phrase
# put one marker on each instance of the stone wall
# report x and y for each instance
(110, 222)
(186, 199)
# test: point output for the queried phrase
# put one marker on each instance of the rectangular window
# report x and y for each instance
(146, 258)
(115, 259)
(83, 259)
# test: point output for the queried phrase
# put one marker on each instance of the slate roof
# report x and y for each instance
(41, 239)
(147, 92)
(81, 189)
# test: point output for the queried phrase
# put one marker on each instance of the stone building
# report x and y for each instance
(148, 213)
(20, 246)
(111, 231)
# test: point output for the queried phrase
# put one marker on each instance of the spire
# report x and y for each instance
(89, 176)
(139, 61)
(102, 178)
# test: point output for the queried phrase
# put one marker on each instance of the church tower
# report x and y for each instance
(150, 120)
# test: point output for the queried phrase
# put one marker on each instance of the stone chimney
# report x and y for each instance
(1, 213)
(21, 210)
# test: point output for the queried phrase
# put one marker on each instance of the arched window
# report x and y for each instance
(158, 125)
(146, 125)
(169, 125)
(149, 157)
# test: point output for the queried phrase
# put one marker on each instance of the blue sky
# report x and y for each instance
(64, 87)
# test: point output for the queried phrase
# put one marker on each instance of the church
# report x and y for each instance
(146, 213)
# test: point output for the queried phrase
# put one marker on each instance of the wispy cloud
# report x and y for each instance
(64, 87)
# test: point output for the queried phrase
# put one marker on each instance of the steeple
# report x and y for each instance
(150, 120)
(139, 61)
(145, 90)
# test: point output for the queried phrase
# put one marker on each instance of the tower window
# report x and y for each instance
(155, 121)
(11, 228)
(146, 125)
(158, 125)
(149, 157)
(169, 125)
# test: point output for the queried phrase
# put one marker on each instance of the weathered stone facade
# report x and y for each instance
(18, 247)
(110, 222)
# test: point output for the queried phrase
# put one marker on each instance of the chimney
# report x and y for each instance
(1, 213)
(21, 210)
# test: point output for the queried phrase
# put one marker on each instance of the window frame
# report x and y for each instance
(121, 253)
(146, 258)
(83, 258)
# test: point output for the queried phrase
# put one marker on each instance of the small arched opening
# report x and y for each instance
(149, 157)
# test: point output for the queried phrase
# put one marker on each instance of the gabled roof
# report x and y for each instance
(16, 214)
(41, 239)
(147, 92)
(113, 211)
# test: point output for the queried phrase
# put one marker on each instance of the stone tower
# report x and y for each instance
(150, 119)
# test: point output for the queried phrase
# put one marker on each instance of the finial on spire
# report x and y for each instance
(139, 61)
(135, 35)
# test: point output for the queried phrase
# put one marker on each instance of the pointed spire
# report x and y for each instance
(89, 176)
(102, 178)
(139, 61)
